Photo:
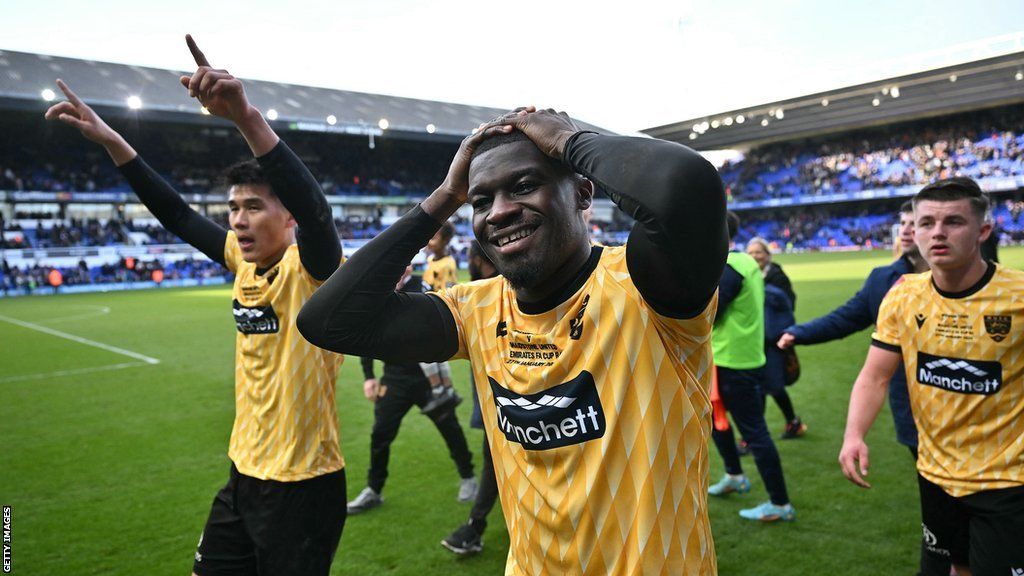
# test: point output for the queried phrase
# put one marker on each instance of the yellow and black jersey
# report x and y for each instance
(286, 426)
(599, 420)
(964, 359)
(441, 272)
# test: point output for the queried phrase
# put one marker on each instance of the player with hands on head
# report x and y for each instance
(282, 510)
(592, 363)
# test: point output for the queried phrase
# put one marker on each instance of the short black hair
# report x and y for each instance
(907, 207)
(733, 220)
(247, 172)
(492, 142)
(957, 188)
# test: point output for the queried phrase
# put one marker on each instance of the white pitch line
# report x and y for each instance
(97, 311)
(80, 340)
(60, 373)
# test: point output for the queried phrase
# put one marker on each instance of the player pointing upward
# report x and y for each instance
(283, 508)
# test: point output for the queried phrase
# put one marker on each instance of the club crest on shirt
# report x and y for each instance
(576, 323)
(998, 326)
(569, 413)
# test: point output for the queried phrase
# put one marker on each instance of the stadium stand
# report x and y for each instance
(847, 164)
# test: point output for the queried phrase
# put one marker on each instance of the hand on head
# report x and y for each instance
(548, 129)
(216, 89)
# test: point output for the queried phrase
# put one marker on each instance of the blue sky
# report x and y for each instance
(626, 66)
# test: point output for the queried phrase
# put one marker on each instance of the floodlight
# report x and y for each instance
(824, 101)
(779, 114)
(332, 119)
(895, 92)
(271, 114)
(740, 119)
(383, 124)
(876, 101)
(431, 128)
(134, 102)
(49, 95)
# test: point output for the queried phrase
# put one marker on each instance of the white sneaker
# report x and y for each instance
(467, 489)
(368, 499)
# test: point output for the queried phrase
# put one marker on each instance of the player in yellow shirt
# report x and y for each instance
(957, 330)
(592, 363)
(441, 273)
(282, 510)
(442, 270)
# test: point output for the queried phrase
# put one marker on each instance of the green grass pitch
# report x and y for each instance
(111, 469)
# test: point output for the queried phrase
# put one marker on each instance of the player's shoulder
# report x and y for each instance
(475, 294)
(1006, 275)
(912, 283)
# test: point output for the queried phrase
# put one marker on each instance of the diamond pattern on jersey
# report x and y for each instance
(632, 501)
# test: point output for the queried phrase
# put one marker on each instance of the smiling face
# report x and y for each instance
(949, 233)
(760, 253)
(263, 226)
(527, 212)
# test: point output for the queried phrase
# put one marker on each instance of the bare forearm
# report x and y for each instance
(866, 400)
(120, 151)
(260, 137)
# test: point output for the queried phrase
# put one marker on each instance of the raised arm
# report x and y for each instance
(159, 197)
(677, 248)
(223, 95)
(358, 311)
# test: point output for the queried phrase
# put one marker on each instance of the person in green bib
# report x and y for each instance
(737, 344)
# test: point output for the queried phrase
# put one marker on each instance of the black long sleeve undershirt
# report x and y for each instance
(298, 190)
(677, 248)
(676, 253)
(302, 196)
(173, 212)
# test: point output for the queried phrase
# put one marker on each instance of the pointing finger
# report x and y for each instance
(72, 97)
(196, 52)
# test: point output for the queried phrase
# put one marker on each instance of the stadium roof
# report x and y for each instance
(963, 87)
(26, 80)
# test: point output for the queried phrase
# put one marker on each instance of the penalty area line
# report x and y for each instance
(80, 340)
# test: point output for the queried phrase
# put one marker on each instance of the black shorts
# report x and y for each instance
(984, 530)
(265, 527)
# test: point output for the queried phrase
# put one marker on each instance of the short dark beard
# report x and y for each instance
(529, 270)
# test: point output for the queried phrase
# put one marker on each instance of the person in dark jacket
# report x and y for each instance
(860, 311)
(404, 385)
(779, 304)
